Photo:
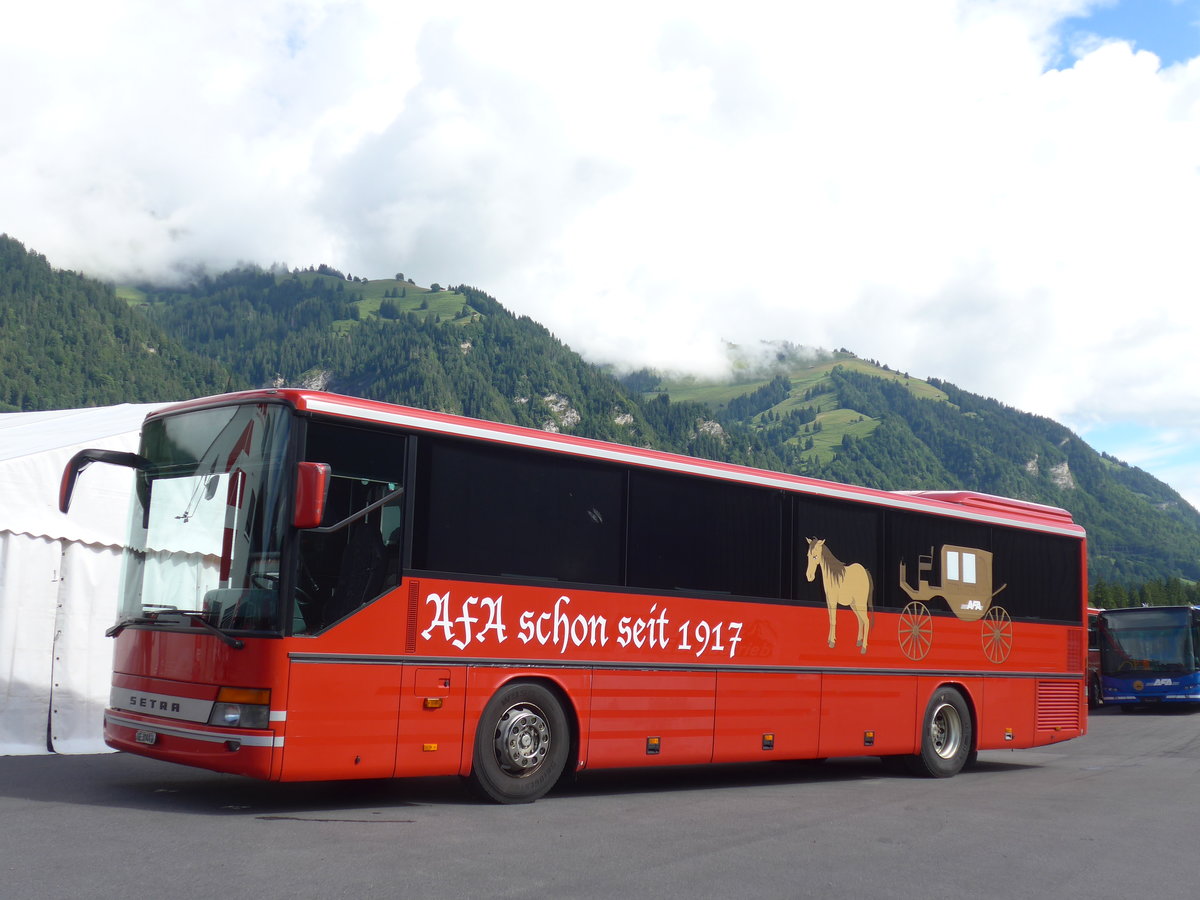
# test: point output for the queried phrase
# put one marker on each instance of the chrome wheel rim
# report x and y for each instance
(522, 739)
(945, 731)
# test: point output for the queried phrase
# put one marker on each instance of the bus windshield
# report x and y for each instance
(1148, 639)
(208, 518)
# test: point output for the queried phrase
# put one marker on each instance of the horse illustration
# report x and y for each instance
(845, 585)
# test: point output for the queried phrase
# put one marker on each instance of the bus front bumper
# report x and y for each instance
(238, 751)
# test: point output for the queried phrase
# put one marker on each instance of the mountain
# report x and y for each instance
(67, 341)
(826, 414)
(884, 429)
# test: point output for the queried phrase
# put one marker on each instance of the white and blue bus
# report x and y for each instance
(1150, 655)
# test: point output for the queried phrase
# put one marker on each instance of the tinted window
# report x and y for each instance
(852, 534)
(704, 535)
(965, 568)
(935, 558)
(1041, 572)
(343, 569)
(495, 511)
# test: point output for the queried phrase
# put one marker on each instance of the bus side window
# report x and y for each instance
(358, 559)
(362, 568)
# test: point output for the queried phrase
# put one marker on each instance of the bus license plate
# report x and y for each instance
(146, 737)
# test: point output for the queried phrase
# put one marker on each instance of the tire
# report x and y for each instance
(521, 745)
(947, 736)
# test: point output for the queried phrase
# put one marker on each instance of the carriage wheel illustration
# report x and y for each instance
(916, 630)
(997, 634)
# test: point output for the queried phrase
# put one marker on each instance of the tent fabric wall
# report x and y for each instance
(59, 576)
(28, 567)
(82, 672)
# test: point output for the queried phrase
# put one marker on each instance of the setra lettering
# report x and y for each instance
(136, 702)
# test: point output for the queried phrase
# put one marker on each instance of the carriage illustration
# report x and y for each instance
(966, 587)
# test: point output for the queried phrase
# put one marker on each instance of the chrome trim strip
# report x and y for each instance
(360, 659)
(211, 737)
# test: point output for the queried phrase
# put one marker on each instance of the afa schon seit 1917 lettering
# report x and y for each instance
(481, 620)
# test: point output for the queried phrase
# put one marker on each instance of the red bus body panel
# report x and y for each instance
(355, 708)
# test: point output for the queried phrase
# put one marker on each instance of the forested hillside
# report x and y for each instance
(453, 350)
(67, 341)
(857, 422)
(73, 341)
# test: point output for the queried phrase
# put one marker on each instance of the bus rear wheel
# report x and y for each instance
(946, 736)
(521, 744)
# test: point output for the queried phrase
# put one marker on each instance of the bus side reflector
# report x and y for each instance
(868, 738)
(768, 741)
(433, 703)
(429, 748)
(653, 745)
(1008, 734)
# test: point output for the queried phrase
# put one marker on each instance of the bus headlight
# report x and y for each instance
(241, 708)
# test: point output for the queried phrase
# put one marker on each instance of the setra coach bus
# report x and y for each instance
(322, 587)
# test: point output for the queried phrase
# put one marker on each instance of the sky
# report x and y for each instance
(1004, 194)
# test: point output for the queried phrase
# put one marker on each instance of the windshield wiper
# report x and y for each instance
(125, 623)
(168, 618)
(198, 619)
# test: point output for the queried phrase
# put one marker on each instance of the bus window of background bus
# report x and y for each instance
(1147, 640)
(501, 512)
(341, 570)
(1195, 640)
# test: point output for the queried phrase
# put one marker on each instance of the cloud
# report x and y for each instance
(945, 185)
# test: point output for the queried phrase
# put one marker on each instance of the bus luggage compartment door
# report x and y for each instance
(341, 720)
(645, 719)
(430, 736)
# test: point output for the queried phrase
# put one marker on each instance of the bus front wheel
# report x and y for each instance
(946, 736)
(521, 744)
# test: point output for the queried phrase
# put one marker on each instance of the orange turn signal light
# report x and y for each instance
(259, 696)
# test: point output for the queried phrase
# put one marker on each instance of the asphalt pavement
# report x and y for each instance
(1111, 815)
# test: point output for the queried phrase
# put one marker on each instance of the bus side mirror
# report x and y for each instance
(312, 487)
(85, 458)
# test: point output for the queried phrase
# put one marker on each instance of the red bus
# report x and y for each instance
(1095, 694)
(322, 587)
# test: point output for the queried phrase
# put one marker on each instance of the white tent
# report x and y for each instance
(59, 575)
